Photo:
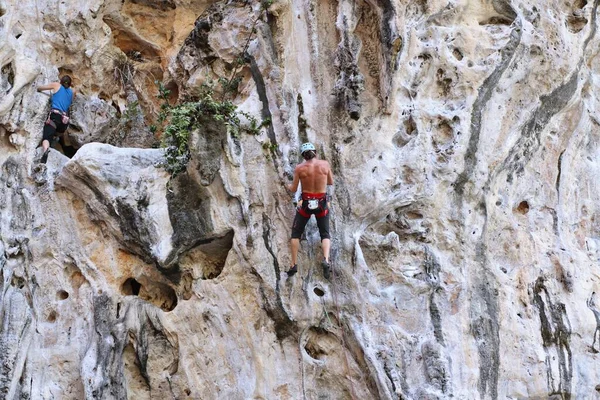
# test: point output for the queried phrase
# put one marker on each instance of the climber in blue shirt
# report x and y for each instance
(58, 118)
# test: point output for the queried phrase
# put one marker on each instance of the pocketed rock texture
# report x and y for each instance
(463, 138)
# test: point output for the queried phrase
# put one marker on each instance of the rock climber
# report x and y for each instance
(316, 179)
(58, 118)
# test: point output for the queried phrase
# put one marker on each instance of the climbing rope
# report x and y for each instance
(39, 25)
(338, 314)
(344, 343)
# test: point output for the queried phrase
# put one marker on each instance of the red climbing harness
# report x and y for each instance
(64, 118)
(314, 204)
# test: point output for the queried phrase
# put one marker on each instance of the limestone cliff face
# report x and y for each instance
(464, 140)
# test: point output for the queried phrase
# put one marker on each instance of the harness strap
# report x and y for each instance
(313, 196)
(322, 213)
(303, 212)
(50, 122)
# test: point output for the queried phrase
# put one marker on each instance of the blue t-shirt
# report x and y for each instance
(62, 99)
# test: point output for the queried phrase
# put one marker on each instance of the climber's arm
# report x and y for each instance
(54, 86)
(294, 186)
(329, 177)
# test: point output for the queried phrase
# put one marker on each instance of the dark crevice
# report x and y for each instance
(302, 124)
(523, 207)
(485, 329)
(261, 89)
(436, 319)
(131, 287)
(484, 95)
(560, 159)
(530, 140)
(9, 72)
(284, 326)
(556, 335)
(388, 374)
(162, 5)
(342, 194)
(365, 365)
(432, 270)
(157, 293)
(267, 242)
(317, 335)
(350, 82)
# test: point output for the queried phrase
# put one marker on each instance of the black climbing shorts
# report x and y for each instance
(303, 214)
(50, 130)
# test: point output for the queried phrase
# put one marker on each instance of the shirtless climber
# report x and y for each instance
(316, 178)
(58, 119)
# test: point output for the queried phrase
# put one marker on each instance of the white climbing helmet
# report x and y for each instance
(307, 147)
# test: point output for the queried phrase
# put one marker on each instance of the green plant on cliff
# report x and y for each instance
(182, 119)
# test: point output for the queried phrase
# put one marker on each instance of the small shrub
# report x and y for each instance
(184, 118)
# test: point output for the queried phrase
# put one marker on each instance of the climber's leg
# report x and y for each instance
(298, 226)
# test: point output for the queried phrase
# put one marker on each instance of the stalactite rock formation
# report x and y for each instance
(462, 137)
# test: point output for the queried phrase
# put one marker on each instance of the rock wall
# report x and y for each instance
(466, 218)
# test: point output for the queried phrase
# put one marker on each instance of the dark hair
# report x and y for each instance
(66, 81)
(309, 154)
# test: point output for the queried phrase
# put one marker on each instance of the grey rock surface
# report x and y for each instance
(463, 138)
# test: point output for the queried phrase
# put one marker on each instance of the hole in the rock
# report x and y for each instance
(62, 295)
(52, 316)
(319, 292)
(9, 72)
(5, 137)
(579, 4)
(135, 55)
(414, 215)
(213, 255)
(523, 207)
(18, 35)
(157, 293)
(118, 310)
(457, 54)
(320, 343)
(17, 282)
(117, 108)
(64, 146)
(77, 279)
(174, 91)
(2, 11)
(187, 281)
(576, 23)
(131, 287)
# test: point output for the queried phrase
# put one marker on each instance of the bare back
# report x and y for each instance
(314, 175)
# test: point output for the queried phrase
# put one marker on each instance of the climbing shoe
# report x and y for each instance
(292, 271)
(44, 157)
(326, 269)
